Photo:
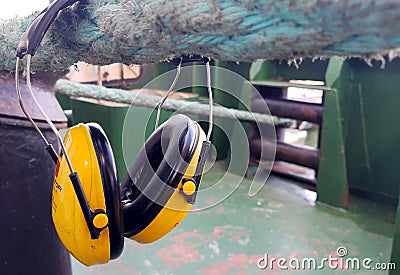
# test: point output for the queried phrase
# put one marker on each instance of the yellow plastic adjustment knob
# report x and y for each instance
(100, 220)
(189, 187)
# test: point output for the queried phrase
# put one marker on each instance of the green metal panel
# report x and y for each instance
(239, 155)
(281, 70)
(367, 105)
(332, 179)
(232, 99)
(64, 101)
(332, 185)
(370, 110)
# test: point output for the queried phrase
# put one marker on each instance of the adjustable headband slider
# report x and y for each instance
(189, 59)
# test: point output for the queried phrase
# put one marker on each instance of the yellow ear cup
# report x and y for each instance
(108, 171)
(161, 174)
(67, 215)
(176, 208)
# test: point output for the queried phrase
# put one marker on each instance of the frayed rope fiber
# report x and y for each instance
(148, 31)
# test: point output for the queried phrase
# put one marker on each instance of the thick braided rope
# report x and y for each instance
(146, 31)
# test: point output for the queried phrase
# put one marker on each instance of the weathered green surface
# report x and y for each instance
(368, 110)
(369, 100)
(235, 98)
(332, 182)
(279, 70)
(281, 220)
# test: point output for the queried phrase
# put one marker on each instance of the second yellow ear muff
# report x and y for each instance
(160, 186)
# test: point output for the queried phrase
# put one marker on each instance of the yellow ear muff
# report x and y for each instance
(155, 197)
(91, 156)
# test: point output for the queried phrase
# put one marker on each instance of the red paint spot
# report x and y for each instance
(237, 233)
(218, 230)
(177, 255)
(182, 252)
(191, 238)
(373, 235)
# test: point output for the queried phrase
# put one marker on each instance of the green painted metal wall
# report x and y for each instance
(370, 110)
(281, 70)
(238, 99)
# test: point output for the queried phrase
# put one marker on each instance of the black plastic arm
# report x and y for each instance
(88, 213)
(33, 36)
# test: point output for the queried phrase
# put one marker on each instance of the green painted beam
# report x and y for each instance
(234, 98)
(332, 183)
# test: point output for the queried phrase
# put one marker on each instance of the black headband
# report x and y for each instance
(33, 36)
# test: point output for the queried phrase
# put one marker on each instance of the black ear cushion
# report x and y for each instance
(111, 188)
(159, 165)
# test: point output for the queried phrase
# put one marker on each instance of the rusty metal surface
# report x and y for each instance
(9, 106)
(286, 152)
(291, 109)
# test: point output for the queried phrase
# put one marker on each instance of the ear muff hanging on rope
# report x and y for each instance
(163, 181)
(89, 214)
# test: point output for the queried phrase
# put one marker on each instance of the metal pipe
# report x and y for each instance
(311, 112)
(286, 152)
